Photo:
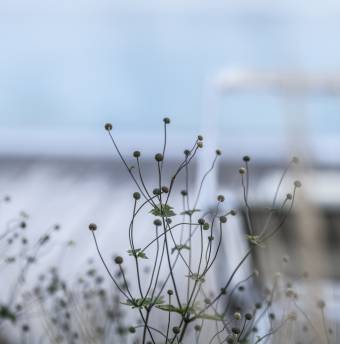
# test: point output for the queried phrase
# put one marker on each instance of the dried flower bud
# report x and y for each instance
(170, 292)
(108, 126)
(289, 196)
(168, 220)
(242, 170)
(166, 120)
(223, 219)
(206, 226)
(200, 137)
(200, 144)
(136, 195)
(246, 158)
(187, 152)
(176, 330)
(132, 329)
(119, 260)
(157, 222)
(297, 184)
(220, 198)
(237, 316)
(233, 212)
(159, 157)
(92, 227)
(218, 152)
(136, 154)
(235, 330)
(201, 221)
(197, 328)
(184, 193)
(165, 189)
(156, 191)
(248, 316)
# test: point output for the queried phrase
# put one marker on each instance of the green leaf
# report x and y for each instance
(6, 313)
(210, 317)
(138, 253)
(144, 302)
(190, 212)
(163, 210)
(179, 248)
(255, 240)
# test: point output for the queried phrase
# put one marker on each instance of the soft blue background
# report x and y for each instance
(77, 64)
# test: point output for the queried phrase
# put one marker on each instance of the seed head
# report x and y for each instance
(119, 260)
(201, 221)
(159, 157)
(136, 195)
(170, 292)
(200, 137)
(235, 330)
(223, 219)
(218, 152)
(206, 226)
(297, 184)
(166, 120)
(197, 328)
(242, 170)
(220, 198)
(233, 212)
(136, 154)
(187, 152)
(157, 222)
(200, 144)
(165, 189)
(237, 316)
(184, 193)
(156, 191)
(176, 330)
(92, 227)
(168, 220)
(132, 329)
(108, 126)
(248, 316)
(246, 158)
(289, 196)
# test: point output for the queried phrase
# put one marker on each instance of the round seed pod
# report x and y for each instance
(218, 152)
(108, 126)
(201, 221)
(246, 158)
(165, 189)
(136, 195)
(136, 154)
(157, 222)
(166, 120)
(248, 316)
(92, 227)
(235, 330)
(176, 330)
(241, 170)
(119, 260)
(223, 219)
(220, 198)
(159, 157)
(132, 329)
(237, 316)
(297, 184)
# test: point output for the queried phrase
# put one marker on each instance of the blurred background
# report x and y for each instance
(253, 77)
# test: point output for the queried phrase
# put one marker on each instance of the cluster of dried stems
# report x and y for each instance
(193, 239)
